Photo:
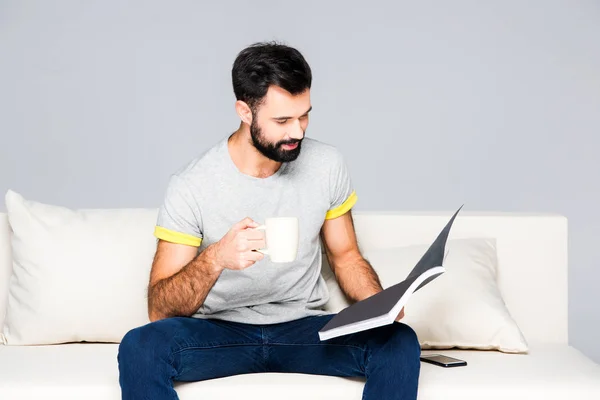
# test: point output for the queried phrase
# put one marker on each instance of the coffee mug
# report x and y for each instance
(281, 237)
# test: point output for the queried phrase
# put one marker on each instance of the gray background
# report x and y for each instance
(495, 105)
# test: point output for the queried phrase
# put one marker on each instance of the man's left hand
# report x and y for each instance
(401, 315)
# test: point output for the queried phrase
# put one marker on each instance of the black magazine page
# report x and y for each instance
(434, 256)
(375, 306)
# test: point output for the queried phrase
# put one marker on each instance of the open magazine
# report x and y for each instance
(383, 308)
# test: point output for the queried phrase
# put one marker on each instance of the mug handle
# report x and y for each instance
(263, 251)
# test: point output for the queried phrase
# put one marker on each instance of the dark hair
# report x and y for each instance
(268, 63)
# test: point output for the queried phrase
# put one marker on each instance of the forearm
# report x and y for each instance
(184, 292)
(356, 277)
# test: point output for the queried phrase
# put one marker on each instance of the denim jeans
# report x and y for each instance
(152, 356)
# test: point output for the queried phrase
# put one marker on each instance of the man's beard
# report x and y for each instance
(273, 151)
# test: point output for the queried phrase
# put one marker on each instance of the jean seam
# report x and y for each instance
(265, 347)
(368, 361)
(215, 346)
(171, 359)
(318, 344)
(369, 353)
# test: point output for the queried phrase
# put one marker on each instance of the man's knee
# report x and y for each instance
(130, 345)
(406, 342)
(396, 352)
(143, 346)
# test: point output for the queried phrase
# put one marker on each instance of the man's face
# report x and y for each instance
(279, 124)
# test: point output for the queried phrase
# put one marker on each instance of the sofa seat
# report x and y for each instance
(89, 371)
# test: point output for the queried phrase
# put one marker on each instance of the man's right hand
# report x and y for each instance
(235, 250)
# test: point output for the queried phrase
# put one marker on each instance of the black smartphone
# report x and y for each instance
(442, 360)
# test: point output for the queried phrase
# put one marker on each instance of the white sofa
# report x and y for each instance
(532, 278)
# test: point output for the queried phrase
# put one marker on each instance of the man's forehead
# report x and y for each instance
(280, 101)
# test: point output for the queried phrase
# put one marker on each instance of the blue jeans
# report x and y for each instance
(152, 356)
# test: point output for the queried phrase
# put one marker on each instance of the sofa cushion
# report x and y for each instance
(78, 371)
(549, 371)
(461, 308)
(78, 275)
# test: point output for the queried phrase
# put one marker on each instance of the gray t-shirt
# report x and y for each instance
(209, 195)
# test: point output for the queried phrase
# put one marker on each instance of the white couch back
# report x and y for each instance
(532, 256)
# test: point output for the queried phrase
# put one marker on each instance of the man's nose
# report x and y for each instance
(296, 131)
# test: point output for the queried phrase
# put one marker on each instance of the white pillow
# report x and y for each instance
(78, 275)
(462, 308)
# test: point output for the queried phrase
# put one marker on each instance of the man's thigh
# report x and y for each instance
(201, 349)
(295, 347)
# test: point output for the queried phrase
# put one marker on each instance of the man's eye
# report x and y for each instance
(282, 122)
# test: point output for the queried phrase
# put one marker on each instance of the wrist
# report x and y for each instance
(211, 259)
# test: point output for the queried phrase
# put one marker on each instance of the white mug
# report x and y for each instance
(281, 237)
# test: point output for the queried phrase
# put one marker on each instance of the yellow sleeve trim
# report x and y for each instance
(342, 208)
(176, 237)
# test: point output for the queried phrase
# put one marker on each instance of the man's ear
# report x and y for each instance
(243, 111)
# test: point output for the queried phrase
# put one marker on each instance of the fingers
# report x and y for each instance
(252, 234)
(248, 259)
(255, 256)
(250, 245)
(245, 223)
(400, 315)
(241, 243)
(257, 244)
(244, 244)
